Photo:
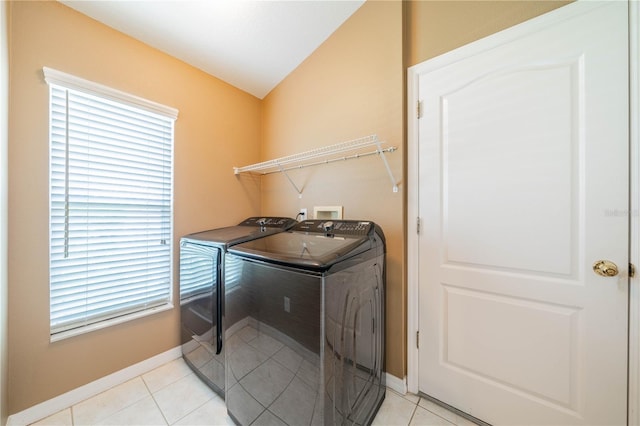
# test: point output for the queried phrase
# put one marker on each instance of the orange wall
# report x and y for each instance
(4, 143)
(352, 86)
(434, 27)
(217, 128)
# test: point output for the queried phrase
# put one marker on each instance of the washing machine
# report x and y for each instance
(201, 292)
(304, 325)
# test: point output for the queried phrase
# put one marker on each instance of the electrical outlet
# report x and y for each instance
(303, 214)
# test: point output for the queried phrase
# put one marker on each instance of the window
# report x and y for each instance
(111, 181)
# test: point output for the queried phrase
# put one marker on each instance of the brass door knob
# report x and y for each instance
(605, 268)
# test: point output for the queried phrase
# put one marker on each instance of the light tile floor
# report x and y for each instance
(173, 395)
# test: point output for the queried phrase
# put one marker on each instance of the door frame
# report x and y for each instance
(634, 219)
(413, 224)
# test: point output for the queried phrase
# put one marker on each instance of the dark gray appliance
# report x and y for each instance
(304, 325)
(201, 292)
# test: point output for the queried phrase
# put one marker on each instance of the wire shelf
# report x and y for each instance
(324, 155)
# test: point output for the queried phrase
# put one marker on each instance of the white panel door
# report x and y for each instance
(523, 185)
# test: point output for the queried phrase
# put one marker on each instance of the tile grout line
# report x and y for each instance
(154, 400)
(213, 396)
(417, 405)
(129, 404)
(415, 408)
(437, 414)
(190, 412)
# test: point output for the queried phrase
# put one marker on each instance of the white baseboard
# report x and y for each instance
(396, 384)
(52, 406)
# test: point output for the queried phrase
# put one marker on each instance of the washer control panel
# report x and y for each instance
(335, 227)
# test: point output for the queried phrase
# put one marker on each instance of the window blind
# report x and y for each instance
(110, 209)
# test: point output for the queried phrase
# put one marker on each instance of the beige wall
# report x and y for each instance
(435, 27)
(351, 87)
(4, 142)
(217, 128)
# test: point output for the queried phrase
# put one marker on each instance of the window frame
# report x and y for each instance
(70, 82)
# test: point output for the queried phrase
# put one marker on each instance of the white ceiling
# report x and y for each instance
(250, 44)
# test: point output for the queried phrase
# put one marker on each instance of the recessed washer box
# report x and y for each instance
(327, 212)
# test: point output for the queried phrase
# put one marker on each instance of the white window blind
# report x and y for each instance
(110, 207)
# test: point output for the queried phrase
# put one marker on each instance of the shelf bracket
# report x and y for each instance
(284, 172)
(386, 165)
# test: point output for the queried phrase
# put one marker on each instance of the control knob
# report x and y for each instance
(327, 226)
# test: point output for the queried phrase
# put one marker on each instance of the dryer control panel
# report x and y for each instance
(268, 222)
(336, 227)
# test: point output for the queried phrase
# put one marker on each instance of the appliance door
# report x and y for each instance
(200, 311)
(273, 329)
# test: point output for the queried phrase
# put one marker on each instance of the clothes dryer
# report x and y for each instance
(201, 292)
(304, 325)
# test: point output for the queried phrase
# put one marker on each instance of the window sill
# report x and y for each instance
(108, 323)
